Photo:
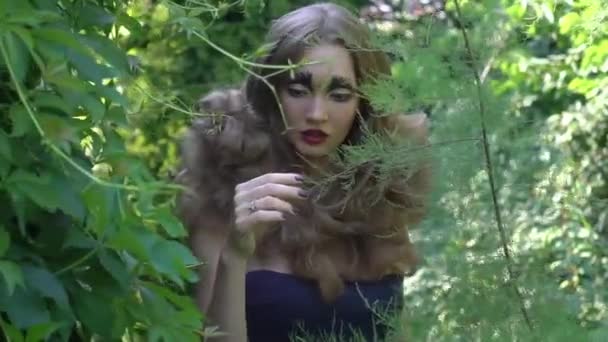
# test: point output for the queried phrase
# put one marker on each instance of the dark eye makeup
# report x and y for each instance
(300, 85)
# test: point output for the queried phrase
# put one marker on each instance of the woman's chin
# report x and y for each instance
(312, 152)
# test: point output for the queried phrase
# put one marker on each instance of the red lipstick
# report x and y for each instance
(313, 136)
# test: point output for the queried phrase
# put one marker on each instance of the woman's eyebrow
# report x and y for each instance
(302, 77)
(305, 78)
(340, 82)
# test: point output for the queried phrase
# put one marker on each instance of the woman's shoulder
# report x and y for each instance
(226, 137)
(228, 101)
(415, 125)
(225, 124)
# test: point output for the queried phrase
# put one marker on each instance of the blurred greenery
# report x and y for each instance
(96, 94)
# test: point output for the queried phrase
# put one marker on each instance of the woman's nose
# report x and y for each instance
(318, 112)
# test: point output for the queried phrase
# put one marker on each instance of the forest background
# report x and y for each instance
(95, 95)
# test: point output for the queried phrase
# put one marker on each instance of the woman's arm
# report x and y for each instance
(226, 245)
(206, 245)
(220, 292)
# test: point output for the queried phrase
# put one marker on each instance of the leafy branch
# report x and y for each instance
(31, 112)
(489, 169)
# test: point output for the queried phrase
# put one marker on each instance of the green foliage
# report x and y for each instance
(95, 95)
(86, 231)
(543, 72)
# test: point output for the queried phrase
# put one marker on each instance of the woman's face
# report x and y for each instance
(320, 101)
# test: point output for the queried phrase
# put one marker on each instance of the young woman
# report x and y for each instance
(286, 246)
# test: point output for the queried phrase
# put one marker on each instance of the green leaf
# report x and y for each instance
(115, 267)
(40, 332)
(48, 101)
(69, 82)
(101, 204)
(88, 69)
(13, 276)
(18, 205)
(114, 142)
(25, 308)
(80, 97)
(109, 51)
(37, 188)
(18, 55)
(5, 146)
(11, 332)
(91, 15)
(61, 37)
(5, 240)
(23, 13)
(94, 107)
(172, 259)
(46, 284)
(126, 239)
(117, 115)
(57, 129)
(129, 22)
(568, 22)
(95, 311)
(111, 94)
(167, 220)
(184, 303)
(25, 36)
(20, 119)
(5, 167)
(76, 238)
(70, 201)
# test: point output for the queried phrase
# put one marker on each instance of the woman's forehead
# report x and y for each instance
(325, 63)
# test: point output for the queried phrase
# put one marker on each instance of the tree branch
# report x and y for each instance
(489, 168)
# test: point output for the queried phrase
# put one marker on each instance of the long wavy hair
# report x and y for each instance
(337, 234)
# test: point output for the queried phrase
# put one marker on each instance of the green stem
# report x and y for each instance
(79, 261)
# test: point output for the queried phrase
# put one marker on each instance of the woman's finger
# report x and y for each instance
(265, 203)
(244, 222)
(278, 178)
(285, 192)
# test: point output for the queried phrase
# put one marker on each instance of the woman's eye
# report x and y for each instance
(341, 97)
(296, 92)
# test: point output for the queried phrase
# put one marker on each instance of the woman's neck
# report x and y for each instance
(315, 166)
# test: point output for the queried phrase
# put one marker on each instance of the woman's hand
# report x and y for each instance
(259, 203)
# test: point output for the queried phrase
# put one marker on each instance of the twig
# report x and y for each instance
(489, 168)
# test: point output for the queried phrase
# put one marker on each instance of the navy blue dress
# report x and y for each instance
(280, 306)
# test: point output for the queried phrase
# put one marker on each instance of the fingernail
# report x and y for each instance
(299, 178)
(303, 193)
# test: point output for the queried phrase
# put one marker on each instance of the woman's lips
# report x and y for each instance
(313, 136)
